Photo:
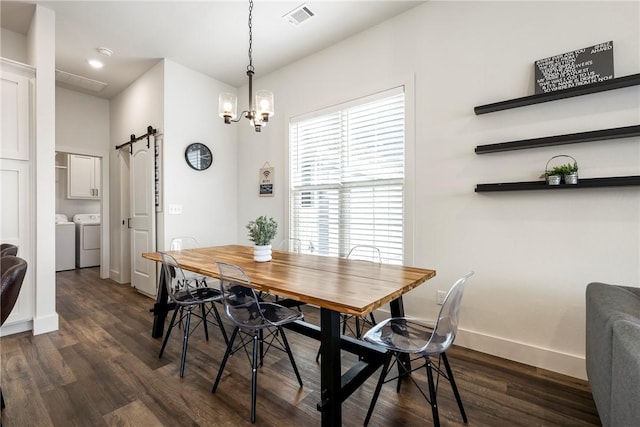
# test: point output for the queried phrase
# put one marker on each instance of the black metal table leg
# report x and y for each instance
(160, 308)
(330, 374)
(397, 310)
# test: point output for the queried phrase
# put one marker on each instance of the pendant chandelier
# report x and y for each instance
(260, 111)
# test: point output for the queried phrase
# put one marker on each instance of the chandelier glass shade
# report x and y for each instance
(260, 109)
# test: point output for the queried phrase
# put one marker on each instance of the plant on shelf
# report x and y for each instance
(552, 176)
(568, 172)
(567, 169)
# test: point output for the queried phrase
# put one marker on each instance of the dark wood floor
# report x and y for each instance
(102, 368)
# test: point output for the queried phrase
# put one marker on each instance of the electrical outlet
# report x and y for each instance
(440, 297)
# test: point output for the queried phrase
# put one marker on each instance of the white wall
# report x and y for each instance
(135, 108)
(208, 198)
(533, 252)
(82, 126)
(13, 46)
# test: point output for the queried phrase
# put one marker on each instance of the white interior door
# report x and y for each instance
(142, 220)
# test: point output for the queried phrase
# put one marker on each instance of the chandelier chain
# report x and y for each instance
(250, 66)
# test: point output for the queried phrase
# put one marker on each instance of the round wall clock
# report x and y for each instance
(198, 156)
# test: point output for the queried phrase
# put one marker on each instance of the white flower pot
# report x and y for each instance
(262, 253)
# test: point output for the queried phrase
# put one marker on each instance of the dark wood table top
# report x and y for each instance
(346, 286)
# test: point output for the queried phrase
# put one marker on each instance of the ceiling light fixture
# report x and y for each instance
(95, 63)
(228, 103)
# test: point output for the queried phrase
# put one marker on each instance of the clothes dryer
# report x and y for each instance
(87, 240)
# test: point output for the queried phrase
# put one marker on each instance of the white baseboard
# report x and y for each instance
(16, 328)
(42, 325)
(552, 360)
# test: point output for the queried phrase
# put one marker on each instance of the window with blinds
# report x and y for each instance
(347, 177)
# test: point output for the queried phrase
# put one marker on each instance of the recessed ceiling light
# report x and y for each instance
(104, 51)
(95, 63)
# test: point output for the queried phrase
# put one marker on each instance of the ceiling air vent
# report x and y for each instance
(79, 81)
(298, 15)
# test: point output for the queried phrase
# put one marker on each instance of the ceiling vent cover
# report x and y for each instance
(298, 15)
(79, 81)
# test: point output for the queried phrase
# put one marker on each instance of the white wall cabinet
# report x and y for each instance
(16, 87)
(83, 179)
(16, 191)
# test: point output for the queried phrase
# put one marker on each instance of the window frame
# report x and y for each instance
(407, 85)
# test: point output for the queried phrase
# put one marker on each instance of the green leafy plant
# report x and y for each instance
(262, 231)
(562, 170)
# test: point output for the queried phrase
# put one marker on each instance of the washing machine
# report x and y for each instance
(65, 243)
(87, 240)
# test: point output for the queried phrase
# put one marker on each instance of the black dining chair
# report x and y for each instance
(252, 318)
(13, 271)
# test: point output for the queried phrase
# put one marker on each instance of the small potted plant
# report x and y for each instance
(568, 172)
(261, 232)
(552, 176)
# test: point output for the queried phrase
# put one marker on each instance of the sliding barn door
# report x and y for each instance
(142, 221)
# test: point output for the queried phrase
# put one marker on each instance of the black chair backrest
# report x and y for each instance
(7, 249)
(13, 272)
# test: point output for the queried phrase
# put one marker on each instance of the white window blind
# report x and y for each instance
(347, 177)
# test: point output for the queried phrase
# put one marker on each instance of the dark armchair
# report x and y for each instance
(13, 272)
(7, 249)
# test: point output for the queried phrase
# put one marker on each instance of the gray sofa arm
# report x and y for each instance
(625, 374)
(605, 305)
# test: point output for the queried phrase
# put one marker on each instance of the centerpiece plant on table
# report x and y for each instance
(261, 232)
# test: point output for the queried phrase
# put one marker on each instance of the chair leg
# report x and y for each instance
(293, 362)
(1, 399)
(204, 321)
(376, 393)
(318, 355)
(220, 324)
(403, 372)
(432, 394)
(400, 375)
(261, 344)
(454, 387)
(224, 359)
(254, 376)
(185, 342)
(166, 337)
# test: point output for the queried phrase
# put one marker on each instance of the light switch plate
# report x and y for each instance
(175, 209)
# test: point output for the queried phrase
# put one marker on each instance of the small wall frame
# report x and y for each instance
(265, 181)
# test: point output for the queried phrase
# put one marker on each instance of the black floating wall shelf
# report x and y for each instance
(572, 138)
(617, 83)
(614, 181)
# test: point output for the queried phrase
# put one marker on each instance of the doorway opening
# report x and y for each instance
(81, 203)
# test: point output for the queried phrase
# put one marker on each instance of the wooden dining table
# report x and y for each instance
(336, 285)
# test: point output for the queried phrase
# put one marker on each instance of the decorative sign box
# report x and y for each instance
(581, 67)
